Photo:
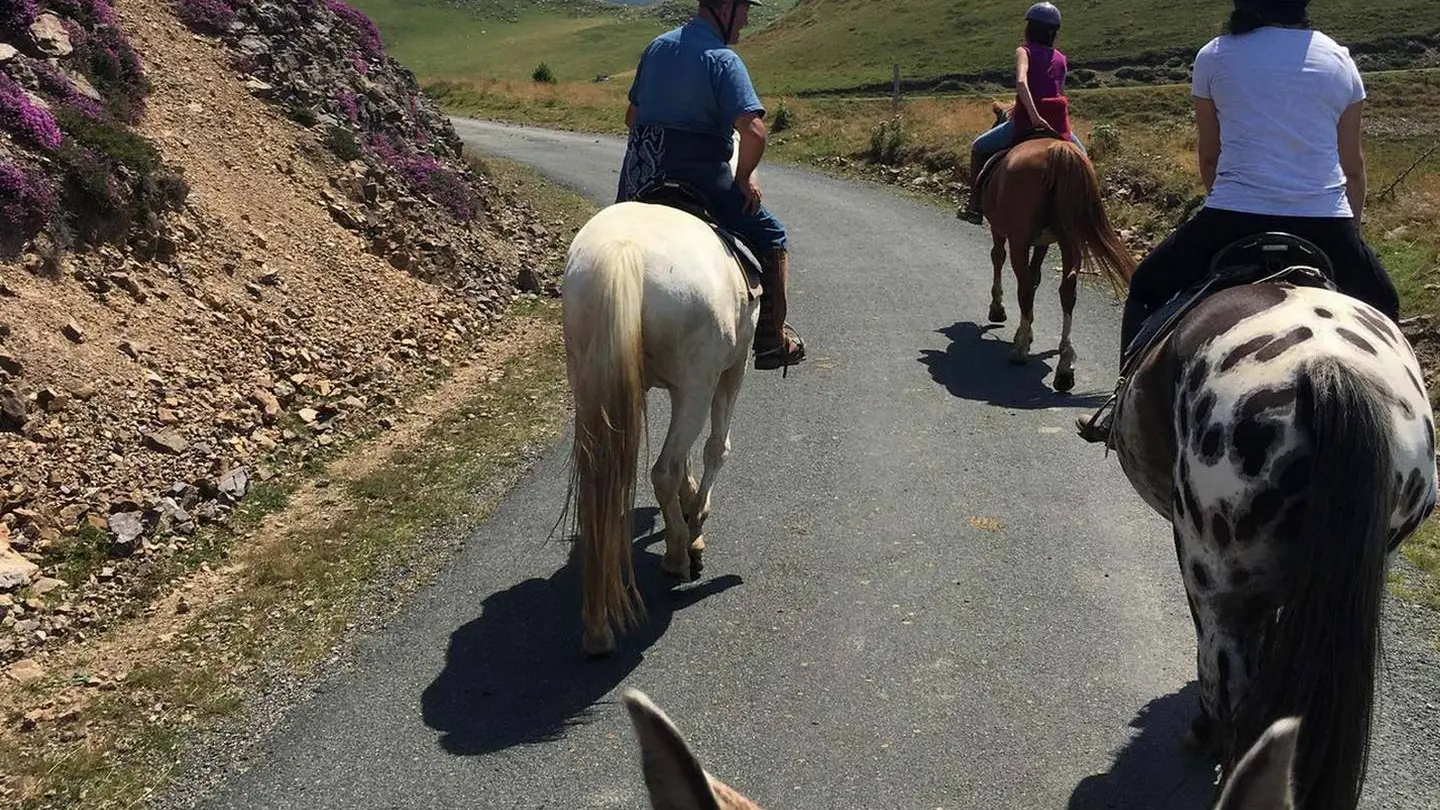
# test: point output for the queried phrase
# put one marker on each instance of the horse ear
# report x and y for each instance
(1263, 779)
(673, 775)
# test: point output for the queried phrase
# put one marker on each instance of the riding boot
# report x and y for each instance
(1095, 430)
(776, 344)
(971, 212)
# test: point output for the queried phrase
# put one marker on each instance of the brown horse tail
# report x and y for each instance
(606, 364)
(1077, 214)
(1319, 658)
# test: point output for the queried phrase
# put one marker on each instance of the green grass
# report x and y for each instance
(833, 45)
(507, 39)
(850, 43)
(1423, 550)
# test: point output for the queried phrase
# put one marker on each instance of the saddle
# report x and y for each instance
(1267, 258)
(1046, 236)
(993, 162)
(686, 197)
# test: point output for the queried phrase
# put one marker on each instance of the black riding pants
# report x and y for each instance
(1184, 258)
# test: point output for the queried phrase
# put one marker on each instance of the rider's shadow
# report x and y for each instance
(976, 366)
(515, 675)
(1154, 769)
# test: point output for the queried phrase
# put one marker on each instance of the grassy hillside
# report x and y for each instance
(507, 39)
(837, 45)
(852, 43)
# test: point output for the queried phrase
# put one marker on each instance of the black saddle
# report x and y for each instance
(1267, 258)
(686, 197)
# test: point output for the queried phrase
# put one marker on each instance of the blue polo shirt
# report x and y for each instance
(690, 81)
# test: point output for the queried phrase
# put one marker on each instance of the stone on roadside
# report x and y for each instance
(15, 570)
(25, 670)
(166, 441)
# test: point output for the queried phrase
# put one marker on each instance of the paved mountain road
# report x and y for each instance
(857, 641)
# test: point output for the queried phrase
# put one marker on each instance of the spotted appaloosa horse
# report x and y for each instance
(1287, 435)
(676, 780)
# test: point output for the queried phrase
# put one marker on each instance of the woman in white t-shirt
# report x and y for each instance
(1278, 109)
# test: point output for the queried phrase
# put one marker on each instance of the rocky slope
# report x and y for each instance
(233, 231)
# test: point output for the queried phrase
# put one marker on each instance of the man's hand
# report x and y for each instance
(751, 187)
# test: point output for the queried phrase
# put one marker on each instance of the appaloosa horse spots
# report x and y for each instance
(1300, 452)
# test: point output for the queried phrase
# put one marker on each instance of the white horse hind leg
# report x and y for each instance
(717, 450)
(687, 418)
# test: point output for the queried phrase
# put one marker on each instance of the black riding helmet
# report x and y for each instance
(715, 5)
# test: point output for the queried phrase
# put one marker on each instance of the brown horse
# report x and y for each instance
(1041, 192)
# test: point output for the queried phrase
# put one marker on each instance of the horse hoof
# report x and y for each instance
(697, 561)
(1200, 738)
(1064, 381)
(599, 645)
(678, 573)
(997, 313)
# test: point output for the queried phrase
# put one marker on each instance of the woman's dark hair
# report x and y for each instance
(1252, 14)
(1038, 33)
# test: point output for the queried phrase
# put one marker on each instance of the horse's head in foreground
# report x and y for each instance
(676, 780)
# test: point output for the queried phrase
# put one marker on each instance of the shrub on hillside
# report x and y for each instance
(89, 13)
(27, 206)
(104, 55)
(343, 143)
(302, 115)
(206, 16)
(784, 118)
(433, 179)
(365, 31)
(888, 142)
(24, 119)
(543, 74)
(1105, 142)
(118, 143)
(114, 178)
(56, 86)
(349, 104)
(16, 15)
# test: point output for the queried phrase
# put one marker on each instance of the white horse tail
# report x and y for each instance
(1321, 656)
(608, 381)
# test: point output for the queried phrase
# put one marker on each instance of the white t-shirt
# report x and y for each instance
(1279, 93)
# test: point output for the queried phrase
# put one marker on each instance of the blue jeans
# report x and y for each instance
(1003, 136)
(648, 161)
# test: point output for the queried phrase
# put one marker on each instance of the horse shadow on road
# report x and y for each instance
(515, 675)
(976, 366)
(1154, 769)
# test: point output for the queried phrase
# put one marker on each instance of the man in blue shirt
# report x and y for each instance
(691, 93)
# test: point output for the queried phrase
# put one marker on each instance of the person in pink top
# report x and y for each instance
(1040, 101)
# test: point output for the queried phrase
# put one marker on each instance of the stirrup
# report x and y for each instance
(789, 351)
(1099, 427)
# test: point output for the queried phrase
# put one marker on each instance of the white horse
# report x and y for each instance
(676, 780)
(652, 299)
